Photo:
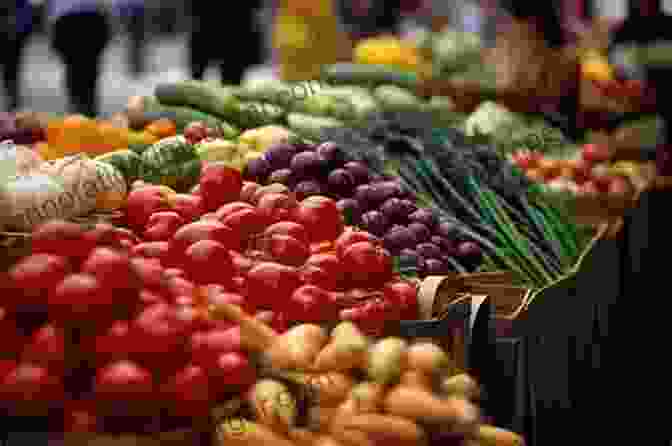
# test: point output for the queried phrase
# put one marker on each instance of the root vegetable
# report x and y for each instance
(242, 432)
(254, 334)
(273, 405)
(386, 360)
(427, 358)
(346, 350)
(368, 397)
(460, 385)
(418, 379)
(494, 436)
(297, 348)
(382, 425)
(416, 404)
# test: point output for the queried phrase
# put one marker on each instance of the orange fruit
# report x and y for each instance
(111, 137)
(162, 128)
(110, 200)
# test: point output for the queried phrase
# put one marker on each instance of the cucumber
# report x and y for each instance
(126, 161)
(371, 75)
(258, 114)
(204, 96)
(138, 147)
(183, 116)
(311, 126)
(279, 93)
(393, 98)
(329, 106)
(172, 162)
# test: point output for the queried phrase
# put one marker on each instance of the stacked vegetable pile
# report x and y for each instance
(473, 189)
(379, 204)
(311, 392)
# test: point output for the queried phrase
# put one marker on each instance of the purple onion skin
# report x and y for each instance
(349, 206)
(280, 155)
(283, 176)
(307, 188)
(307, 164)
(375, 222)
(468, 250)
(420, 232)
(398, 238)
(434, 267)
(392, 209)
(408, 206)
(257, 170)
(332, 154)
(359, 171)
(428, 250)
(384, 191)
(425, 216)
(446, 245)
(341, 182)
(363, 195)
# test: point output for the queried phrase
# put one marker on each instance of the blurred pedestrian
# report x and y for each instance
(80, 33)
(16, 25)
(369, 18)
(133, 13)
(232, 40)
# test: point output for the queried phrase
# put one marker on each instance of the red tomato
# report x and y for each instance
(312, 304)
(321, 218)
(271, 284)
(150, 272)
(286, 249)
(246, 222)
(367, 264)
(231, 208)
(204, 230)
(241, 263)
(46, 347)
(29, 382)
(112, 268)
(219, 184)
(323, 270)
(61, 238)
(351, 237)
(81, 297)
(151, 249)
(277, 207)
(208, 262)
(124, 381)
(37, 274)
(289, 228)
(405, 296)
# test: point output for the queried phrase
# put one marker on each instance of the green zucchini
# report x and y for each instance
(393, 98)
(311, 126)
(279, 93)
(258, 114)
(204, 96)
(183, 116)
(126, 161)
(172, 162)
(371, 75)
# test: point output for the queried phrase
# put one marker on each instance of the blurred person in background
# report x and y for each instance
(133, 13)
(369, 18)
(16, 25)
(234, 40)
(81, 31)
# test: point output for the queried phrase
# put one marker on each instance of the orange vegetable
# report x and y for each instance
(112, 137)
(303, 437)
(416, 378)
(389, 426)
(418, 404)
(427, 358)
(368, 397)
(239, 432)
(494, 436)
(79, 133)
(162, 128)
(297, 348)
(254, 334)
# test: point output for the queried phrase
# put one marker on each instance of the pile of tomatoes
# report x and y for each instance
(115, 321)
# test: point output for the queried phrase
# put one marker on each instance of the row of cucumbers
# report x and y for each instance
(348, 94)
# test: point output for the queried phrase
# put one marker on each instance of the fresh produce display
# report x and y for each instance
(478, 197)
(590, 172)
(376, 203)
(341, 388)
